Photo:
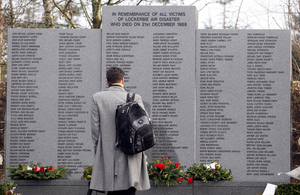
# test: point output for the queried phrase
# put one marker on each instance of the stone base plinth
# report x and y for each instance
(80, 187)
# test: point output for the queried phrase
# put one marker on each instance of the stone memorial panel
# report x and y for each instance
(243, 101)
(52, 75)
(156, 48)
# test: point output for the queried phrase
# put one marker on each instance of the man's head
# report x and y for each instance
(115, 75)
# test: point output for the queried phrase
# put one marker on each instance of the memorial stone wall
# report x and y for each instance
(243, 101)
(213, 95)
(156, 49)
(51, 77)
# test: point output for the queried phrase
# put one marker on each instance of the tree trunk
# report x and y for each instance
(48, 14)
(1, 33)
(12, 15)
(97, 16)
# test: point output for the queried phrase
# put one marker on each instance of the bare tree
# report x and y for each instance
(94, 18)
(224, 4)
(2, 47)
(293, 23)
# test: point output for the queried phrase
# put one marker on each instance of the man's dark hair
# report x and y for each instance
(114, 75)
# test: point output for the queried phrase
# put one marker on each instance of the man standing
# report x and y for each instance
(114, 171)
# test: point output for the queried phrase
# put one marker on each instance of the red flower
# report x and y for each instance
(9, 192)
(50, 168)
(179, 179)
(155, 165)
(37, 169)
(42, 169)
(161, 159)
(177, 165)
(190, 180)
(161, 166)
(154, 173)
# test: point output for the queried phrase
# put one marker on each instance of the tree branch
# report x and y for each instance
(140, 1)
(237, 18)
(86, 14)
(64, 12)
(115, 3)
(67, 4)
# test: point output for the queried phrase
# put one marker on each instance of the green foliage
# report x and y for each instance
(202, 172)
(87, 173)
(33, 171)
(9, 186)
(288, 188)
(3, 189)
(164, 172)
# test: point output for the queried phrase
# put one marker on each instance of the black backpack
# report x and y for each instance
(134, 129)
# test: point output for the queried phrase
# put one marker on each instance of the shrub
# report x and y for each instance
(87, 173)
(3, 189)
(8, 188)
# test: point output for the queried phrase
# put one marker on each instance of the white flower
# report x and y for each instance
(29, 169)
(211, 166)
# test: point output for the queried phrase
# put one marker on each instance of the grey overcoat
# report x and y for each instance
(114, 170)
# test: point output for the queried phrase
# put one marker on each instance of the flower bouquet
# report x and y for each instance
(164, 172)
(35, 171)
(207, 172)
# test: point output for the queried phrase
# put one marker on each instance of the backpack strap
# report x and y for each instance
(130, 97)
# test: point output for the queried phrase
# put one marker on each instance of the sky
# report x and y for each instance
(254, 14)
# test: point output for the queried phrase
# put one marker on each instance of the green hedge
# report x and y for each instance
(288, 188)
